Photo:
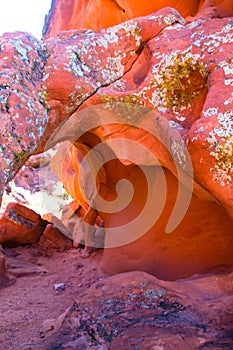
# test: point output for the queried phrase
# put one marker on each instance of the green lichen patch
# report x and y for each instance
(127, 108)
(123, 99)
(180, 80)
(19, 157)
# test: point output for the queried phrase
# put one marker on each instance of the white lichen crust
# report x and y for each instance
(221, 148)
(22, 105)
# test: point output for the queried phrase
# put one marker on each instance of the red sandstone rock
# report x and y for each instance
(52, 238)
(215, 8)
(135, 310)
(23, 114)
(20, 225)
(204, 122)
(101, 14)
(206, 129)
(79, 14)
(201, 241)
(196, 110)
(178, 74)
(69, 78)
(79, 63)
(194, 246)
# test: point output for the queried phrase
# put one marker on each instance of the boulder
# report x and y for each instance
(80, 62)
(20, 225)
(135, 310)
(52, 238)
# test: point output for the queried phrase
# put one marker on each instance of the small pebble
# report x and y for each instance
(59, 287)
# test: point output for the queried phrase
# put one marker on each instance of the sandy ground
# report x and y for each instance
(32, 299)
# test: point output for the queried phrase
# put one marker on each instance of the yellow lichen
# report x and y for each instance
(20, 156)
(180, 80)
(128, 108)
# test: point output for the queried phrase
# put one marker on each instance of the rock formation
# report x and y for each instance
(145, 110)
(69, 15)
(176, 75)
(157, 80)
(178, 315)
(202, 63)
(55, 90)
(21, 226)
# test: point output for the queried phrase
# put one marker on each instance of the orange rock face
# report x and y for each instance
(79, 14)
(201, 242)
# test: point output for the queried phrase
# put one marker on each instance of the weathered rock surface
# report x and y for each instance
(198, 72)
(52, 238)
(196, 110)
(204, 124)
(20, 225)
(22, 109)
(135, 310)
(96, 15)
(101, 14)
(80, 62)
(214, 8)
(202, 240)
(56, 77)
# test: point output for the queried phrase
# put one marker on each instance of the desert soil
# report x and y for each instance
(31, 299)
